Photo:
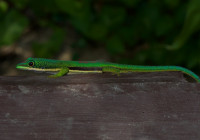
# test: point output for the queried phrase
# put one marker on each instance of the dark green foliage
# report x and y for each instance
(114, 45)
(3, 6)
(151, 32)
(50, 47)
(12, 27)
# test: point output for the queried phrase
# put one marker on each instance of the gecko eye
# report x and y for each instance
(30, 64)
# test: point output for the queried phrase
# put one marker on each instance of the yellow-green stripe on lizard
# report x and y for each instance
(64, 67)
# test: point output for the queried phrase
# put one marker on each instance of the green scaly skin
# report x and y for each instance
(64, 67)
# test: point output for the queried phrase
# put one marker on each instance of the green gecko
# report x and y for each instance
(64, 67)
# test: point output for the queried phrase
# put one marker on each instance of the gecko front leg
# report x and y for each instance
(62, 72)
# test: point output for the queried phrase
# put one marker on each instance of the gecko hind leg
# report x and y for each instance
(60, 73)
(113, 70)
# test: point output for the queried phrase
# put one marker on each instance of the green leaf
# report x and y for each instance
(3, 6)
(191, 25)
(12, 27)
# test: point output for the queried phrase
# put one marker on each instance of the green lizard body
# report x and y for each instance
(64, 67)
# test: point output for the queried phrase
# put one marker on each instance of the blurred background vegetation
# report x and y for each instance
(138, 32)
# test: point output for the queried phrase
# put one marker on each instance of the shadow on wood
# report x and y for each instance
(139, 106)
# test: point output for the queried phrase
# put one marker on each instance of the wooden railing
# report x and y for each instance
(138, 106)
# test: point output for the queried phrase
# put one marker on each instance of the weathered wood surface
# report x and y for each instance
(139, 106)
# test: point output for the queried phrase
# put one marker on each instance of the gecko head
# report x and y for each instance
(27, 65)
(37, 64)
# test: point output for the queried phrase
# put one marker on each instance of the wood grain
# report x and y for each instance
(138, 106)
